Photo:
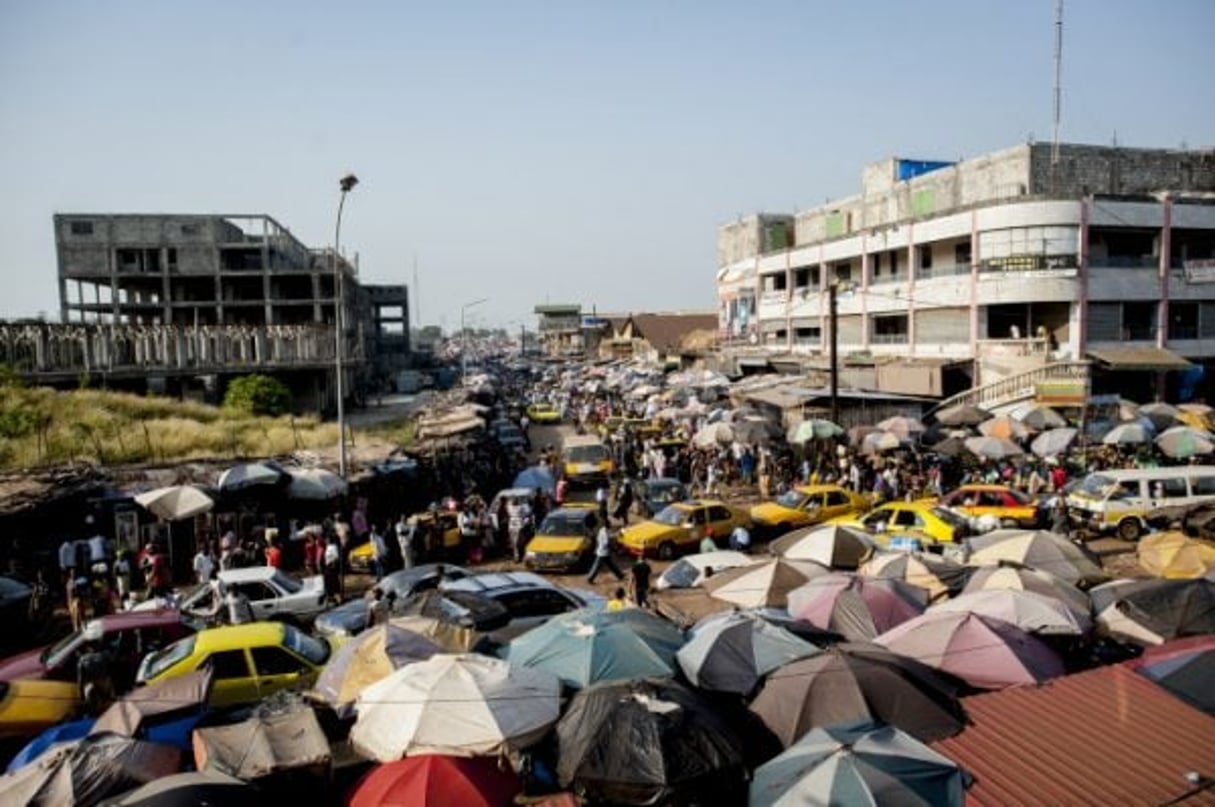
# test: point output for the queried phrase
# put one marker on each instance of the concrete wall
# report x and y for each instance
(1085, 169)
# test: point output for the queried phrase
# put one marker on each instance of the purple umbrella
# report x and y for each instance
(984, 652)
(857, 608)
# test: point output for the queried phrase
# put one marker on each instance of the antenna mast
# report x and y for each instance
(1054, 151)
(417, 303)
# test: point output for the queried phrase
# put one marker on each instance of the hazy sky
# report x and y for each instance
(560, 151)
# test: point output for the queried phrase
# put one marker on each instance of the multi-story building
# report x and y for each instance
(996, 265)
(560, 328)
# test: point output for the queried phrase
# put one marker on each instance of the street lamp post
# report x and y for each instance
(464, 337)
(346, 184)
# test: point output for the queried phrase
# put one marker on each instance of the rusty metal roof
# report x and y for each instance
(1106, 736)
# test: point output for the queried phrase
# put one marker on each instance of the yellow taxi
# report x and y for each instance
(248, 662)
(805, 505)
(565, 539)
(918, 520)
(586, 460)
(681, 526)
(361, 556)
(542, 412)
(30, 706)
(1011, 508)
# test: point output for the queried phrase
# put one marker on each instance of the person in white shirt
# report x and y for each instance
(204, 564)
(603, 556)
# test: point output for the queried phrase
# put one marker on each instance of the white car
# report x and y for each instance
(271, 594)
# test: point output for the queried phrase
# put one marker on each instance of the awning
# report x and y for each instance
(1139, 358)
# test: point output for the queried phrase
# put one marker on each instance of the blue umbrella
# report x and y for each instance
(62, 733)
(584, 647)
(536, 477)
(250, 474)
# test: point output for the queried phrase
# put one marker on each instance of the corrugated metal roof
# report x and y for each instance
(1106, 736)
(1139, 357)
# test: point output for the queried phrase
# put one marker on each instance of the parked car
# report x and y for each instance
(272, 594)
(655, 495)
(350, 618)
(248, 662)
(543, 412)
(529, 598)
(565, 540)
(1011, 508)
(917, 520)
(360, 557)
(680, 528)
(31, 706)
(806, 505)
(462, 608)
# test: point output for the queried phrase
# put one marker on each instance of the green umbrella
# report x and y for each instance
(814, 429)
(1183, 442)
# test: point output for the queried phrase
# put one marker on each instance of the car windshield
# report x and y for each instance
(949, 517)
(672, 516)
(1097, 486)
(161, 660)
(287, 584)
(59, 652)
(791, 498)
(595, 453)
(305, 646)
(666, 495)
(564, 524)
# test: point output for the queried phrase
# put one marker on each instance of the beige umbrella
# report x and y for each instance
(175, 502)
(763, 585)
(838, 546)
(936, 575)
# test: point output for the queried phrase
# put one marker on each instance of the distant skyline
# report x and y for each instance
(532, 152)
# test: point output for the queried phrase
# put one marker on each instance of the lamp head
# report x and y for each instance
(348, 182)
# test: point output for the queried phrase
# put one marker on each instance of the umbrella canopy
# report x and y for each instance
(1150, 612)
(1039, 549)
(157, 703)
(689, 571)
(765, 584)
(315, 484)
(733, 651)
(430, 780)
(962, 415)
(950, 446)
(857, 608)
(57, 735)
(1006, 575)
(756, 432)
(460, 705)
(584, 647)
(992, 448)
(369, 657)
(932, 573)
(903, 427)
(191, 789)
(1029, 611)
(814, 429)
(1127, 434)
(88, 771)
(175, 502)
(857, 434)
(1162, 415)
(536, 477)
(1040, 418)
(451, 638)
(1183, 442)
(1176, 556)
(1005, 427)
(984, 652)
(647, 742)
(836, 545)
(250, 475)
(849, 682)
(858, 763)
(714, 434)
(1185, 667)
(1054, 442)
(877, 442)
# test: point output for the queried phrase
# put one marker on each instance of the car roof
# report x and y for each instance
(663, 482)
(825, 486)
(137, 619)
(490, 582)
(247, 574)
(691, 503)
(571, 512)
(231, 637)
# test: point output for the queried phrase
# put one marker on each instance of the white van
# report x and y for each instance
(1121, 500)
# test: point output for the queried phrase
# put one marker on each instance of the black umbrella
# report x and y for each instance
(1155, 611)
(193, 789)
(648, 741)
(962, 415)
(756, 432)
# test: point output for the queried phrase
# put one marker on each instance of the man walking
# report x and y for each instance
(603, 556)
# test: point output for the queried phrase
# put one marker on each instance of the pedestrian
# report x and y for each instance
(379, 552)
(639, 581)
(624, 501)
(406, 534)
(274, 552)
(237, 606)
(707, 544)
(204, 563)
(94, 678)
(332, 565)
(603, 555)
(740, 539)
(617, 601)
(377, 614)
(601, 501)
(78, 602)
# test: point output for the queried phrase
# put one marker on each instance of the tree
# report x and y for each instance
(258, 395)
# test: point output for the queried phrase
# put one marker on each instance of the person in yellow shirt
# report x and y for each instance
(617, 602)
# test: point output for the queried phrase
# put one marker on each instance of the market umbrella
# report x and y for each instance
(451, 638)
(1005, 427)
(1031, 612)
(962, 415)
(1127, 434)
(985, 652)
(460, 705)
(950, 446)
(1053, 442)
(1150, 612)
(857, 434)
(1185, 667)
(733, 651)
(858, 763)
(992, 448)
(250, 475)
(857, 608)
(315, 484)
(836, 545)
(1183, 442)
(88, 771)
(534, 478)
(1040, 418)
(933, 573)
(764, 584)
(814, 429)
(1009, 575)
(431, 780)
(1196, 408)
(584, 647)
(369, 657)
(877, 442)
(175, 502)
(714, 434)
(756, 432)
(901, 426)
(164, 712)
(191, 789)
(1175, 555)
(1161, 414)
(648, 742)
(858, 681)
(689, 571)
(1040, 549)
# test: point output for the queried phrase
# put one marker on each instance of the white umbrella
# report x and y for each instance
(1053, 442)
(1127, 434)
(994, 448)
(714, 434)
(1029, 611)
(689, 571)
(880, 441)
(315, 483)
(458, 705)
(175, 502)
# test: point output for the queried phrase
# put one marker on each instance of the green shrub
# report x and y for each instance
(17, 421)
(258, 395)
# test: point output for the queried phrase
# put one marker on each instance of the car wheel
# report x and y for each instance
(1129, 529)
(666, 550)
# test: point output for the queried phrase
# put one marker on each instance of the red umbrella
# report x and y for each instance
(856, 608)
(430, 780)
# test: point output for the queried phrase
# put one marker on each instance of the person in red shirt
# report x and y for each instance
(274, 554)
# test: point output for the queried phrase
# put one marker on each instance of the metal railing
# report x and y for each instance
(1017, 387)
